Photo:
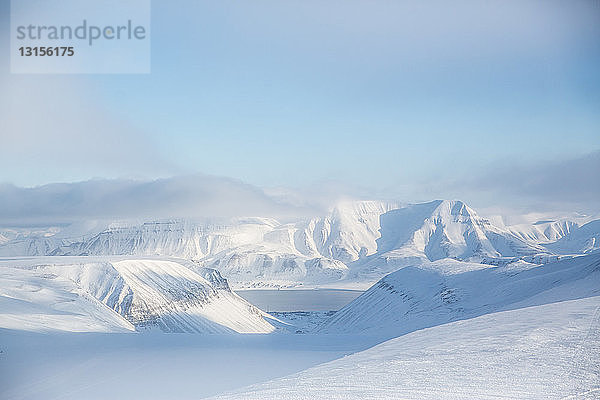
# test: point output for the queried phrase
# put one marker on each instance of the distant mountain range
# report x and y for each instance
(356, 243)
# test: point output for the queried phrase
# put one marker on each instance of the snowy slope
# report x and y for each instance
(143, 293)
(544, 231)
(176, 299)
(548, 351)
(34, 300)
(584, 239)
(349, 232)
(31, 246)
(447, 290)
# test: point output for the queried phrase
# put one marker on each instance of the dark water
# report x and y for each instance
(300, 300)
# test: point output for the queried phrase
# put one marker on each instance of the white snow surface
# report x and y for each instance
(549, 351)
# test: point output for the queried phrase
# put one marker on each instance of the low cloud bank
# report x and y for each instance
(571, 184)
(565, 186)
(196, 196)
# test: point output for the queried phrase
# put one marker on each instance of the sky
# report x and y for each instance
(386, 99)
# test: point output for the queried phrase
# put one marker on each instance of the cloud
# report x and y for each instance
(54, 127)
(571, 184)
(195, 196)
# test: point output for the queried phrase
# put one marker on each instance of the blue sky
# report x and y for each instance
(392, 97)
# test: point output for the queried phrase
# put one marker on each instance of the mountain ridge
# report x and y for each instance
(355, 241)
(138, 294)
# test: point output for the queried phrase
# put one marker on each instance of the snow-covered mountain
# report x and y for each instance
(249, 251)
(109, 295)
(355, 242)
(447, 290)
(422, 233)
(544, 231)
(580, 240)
